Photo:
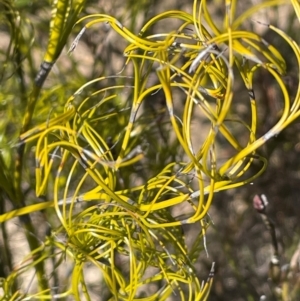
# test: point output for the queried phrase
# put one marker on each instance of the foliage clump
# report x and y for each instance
(123, 181)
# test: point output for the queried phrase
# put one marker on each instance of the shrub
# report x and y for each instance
(120, 163)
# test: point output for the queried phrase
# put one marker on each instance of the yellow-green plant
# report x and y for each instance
(96, 154)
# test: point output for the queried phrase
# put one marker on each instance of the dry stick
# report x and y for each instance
(260, 204)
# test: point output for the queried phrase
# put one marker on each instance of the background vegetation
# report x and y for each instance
(107, 181)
